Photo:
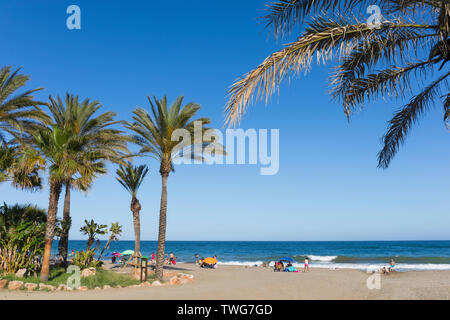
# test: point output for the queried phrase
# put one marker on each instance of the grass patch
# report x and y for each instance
(59, 276)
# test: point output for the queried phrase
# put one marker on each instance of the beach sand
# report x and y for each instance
(239, 282)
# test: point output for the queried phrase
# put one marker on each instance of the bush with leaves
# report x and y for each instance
(85, 259)
(22, 230)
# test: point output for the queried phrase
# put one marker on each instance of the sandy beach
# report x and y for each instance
(239, 282)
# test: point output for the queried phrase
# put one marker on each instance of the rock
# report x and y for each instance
(185, 280)
(170, 274)
(30, 286)
(97, 288)
(62, 287)
(3, 283)
(83, 288)
(119, 286)
(133, 286)
(145, 284)
(106, 287)
(15, 285)
(156, 284)
(21, 273)
(174, 281)
(51, 288)
(42, 286)
(88, 272)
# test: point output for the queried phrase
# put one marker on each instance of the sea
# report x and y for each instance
(362, 255)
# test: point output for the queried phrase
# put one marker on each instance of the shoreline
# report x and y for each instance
(249, 283)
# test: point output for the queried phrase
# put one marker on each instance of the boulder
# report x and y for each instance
(174, 281)
(88, 272)
(170, 274)
(30, 286)
(119, 286)
(51, 288)
(156, 284)
(145, 284)
(97, 288)
(3, 283)
(185, 280)
(83, 288)
(21, 273)
(62, 287)
(106, 287)
(15, 285)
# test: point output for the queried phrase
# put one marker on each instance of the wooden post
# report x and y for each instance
(144, 268)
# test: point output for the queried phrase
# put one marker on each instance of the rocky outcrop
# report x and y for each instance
(21, 273)
(15, 285)
(88, 272)
(3, 283)
(30, 286)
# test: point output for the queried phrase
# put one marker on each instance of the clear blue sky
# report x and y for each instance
(328, 186)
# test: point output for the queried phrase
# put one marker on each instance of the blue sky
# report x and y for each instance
(328, 186)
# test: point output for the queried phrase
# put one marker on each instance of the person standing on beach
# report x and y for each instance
(196, 258)
(306, 268)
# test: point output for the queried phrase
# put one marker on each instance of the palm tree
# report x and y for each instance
(20, 166)
(75, 147)
(131, 177)
(154, 135)
(98, 134)
(115, 232)
(18, 111)
(417, 38)
(92, 229)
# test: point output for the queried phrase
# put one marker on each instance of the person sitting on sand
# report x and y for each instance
(390, 268)
(279, 266)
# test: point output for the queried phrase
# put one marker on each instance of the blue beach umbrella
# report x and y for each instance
(288, 259)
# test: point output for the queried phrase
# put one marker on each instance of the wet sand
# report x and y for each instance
(238, 282)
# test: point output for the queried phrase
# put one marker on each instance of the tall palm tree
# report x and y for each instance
(98, 133)
(153, 133)
(92, 230)
(369, 55)
(131, 178)
(75, 147)
(18, 111)
(115, 232)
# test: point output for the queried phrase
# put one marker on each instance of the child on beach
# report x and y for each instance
(306, 268)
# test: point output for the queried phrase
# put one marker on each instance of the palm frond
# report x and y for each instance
(402, 121)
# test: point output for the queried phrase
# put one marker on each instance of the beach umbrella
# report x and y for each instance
(288, 259)
(210, 260)
(117, 254)
(127, 252)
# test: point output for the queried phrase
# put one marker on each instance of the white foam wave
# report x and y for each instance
(357, 266)
(321, 258)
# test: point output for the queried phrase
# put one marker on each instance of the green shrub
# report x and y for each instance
(85, 259)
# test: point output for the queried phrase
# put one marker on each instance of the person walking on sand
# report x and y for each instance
(306, 268)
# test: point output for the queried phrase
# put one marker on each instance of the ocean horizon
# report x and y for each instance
(361, 255)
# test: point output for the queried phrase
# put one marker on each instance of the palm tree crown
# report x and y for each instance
(131, 177)
(18, 112)
(415, 37)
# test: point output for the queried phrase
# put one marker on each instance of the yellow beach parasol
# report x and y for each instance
(210, 260)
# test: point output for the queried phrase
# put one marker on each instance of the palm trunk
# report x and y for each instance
(136, 208)
(63, 246)
(105, 247)
(162, 229)
(55, 191)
